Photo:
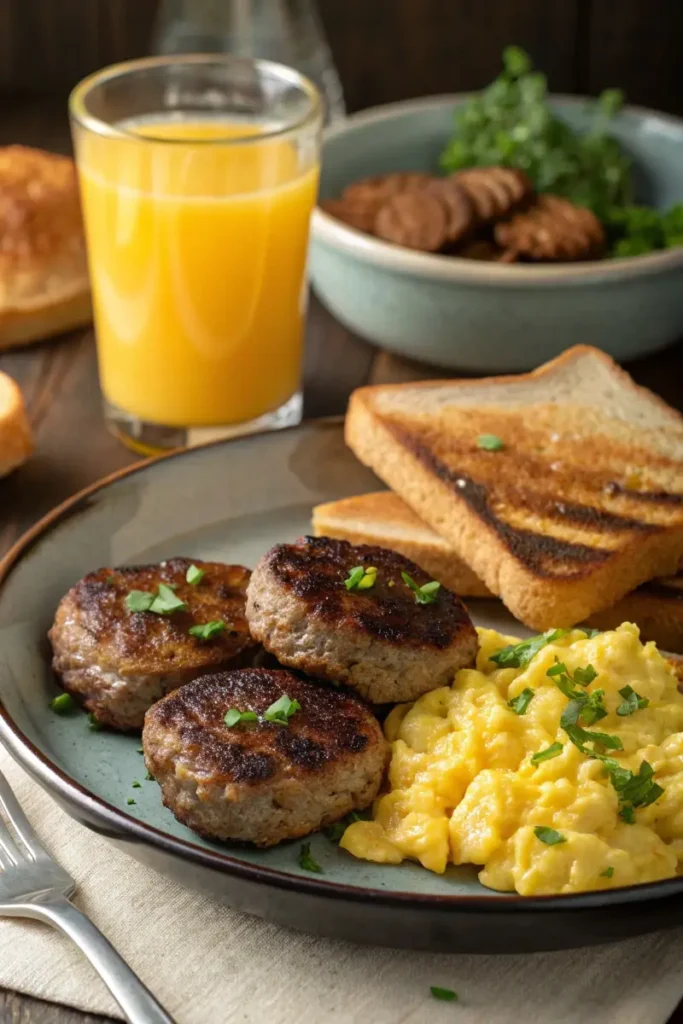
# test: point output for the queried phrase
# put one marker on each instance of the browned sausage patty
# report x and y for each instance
(379, 641)
(261, 781)
(118, 662)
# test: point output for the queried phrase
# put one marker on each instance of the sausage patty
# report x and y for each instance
(262, 781)
(118, 662)
(380, 641)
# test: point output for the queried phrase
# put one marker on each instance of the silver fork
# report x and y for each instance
(34, 885)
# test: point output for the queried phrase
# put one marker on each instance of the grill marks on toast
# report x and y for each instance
(670, 588)
(560, 538)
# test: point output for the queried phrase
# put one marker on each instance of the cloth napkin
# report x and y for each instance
(209, 964)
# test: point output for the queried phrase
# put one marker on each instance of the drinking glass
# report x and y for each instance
(198, 175)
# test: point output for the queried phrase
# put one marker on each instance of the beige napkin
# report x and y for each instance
(209, 964)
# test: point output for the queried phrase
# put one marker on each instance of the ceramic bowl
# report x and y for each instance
(475, 316)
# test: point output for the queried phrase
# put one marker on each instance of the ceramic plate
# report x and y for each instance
(231, 502)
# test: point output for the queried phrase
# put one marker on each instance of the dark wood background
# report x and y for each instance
(384, 49)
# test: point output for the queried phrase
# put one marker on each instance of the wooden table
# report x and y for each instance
(59, 380)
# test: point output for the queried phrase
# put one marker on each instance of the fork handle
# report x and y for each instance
(136, 1001)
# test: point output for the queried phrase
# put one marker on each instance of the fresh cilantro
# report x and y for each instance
(627, 814)
(582, 707)
(306, 861)
(426, 594)
(137, 785)
(361, 578)
(336, 831)
(281, 711)
(549, 836)
(490, 442)
(235, 717)
(139, 601)
(519, 655)
(446, 995)
(164, 602)
(607, 873)
(208, 629)
(554, 750)
(130, 801)
(511, 123)
(62, 704)
(632, 701)
(520, 703)
(637, 790)
(195, 575)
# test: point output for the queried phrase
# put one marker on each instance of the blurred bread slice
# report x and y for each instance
(382, 518)
(656, 607)
(44, 287)
(580, 500)
(15, 433)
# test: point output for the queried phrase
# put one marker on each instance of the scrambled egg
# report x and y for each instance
(463, 788)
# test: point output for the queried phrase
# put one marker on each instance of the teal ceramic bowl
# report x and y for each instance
(474, 316)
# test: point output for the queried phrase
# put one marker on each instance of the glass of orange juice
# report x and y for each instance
(198, 175)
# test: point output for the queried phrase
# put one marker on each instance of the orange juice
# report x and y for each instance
(197, 252)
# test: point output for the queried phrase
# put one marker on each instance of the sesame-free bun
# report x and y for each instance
(15, 434)
(44, 287)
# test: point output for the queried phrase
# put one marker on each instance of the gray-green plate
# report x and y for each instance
(231, 502)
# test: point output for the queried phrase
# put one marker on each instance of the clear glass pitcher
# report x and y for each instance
(287, 31)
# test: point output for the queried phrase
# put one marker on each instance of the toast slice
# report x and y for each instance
(44, 286)
(15, 433)
(581, 504)
(382, 519)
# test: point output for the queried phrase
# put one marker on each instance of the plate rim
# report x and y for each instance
(121, 826)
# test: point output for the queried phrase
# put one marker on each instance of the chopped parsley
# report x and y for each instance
(140, 750)
(549, 836)
(281, 711)
(554, 750)
(632, 701)
(93, 723)
(426, 594)
(306, 861)
(633, 790)
(519, 655)
(446, 995)
(521, 702)
(195, 575)
(137, 785)
(208, 629)
(369, 578)
(607, 873)
(336, 831)
(360, 578)
(490, 442)
(62, 704)
(583, 707)
(149, 777)
(130, 801)
(234, 717)
(164, 602)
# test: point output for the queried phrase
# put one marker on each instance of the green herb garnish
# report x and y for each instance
(164, 602)
(140, 750)
(208, 629)
(634, 790)
(426, 594)
(519, 655)
(446, 995)
(548, 835)
(195, 575)
(590, 633)
(62, 704)
(130, 801)
(490, 442)
(336, 831)
(137, 785)
(149, 777)
(520, 703)
(632, 701)
(607, 873)
(235, 717)
(583, 707)
(93, 723)
(361, 578)
(282, 710)
(306, 861)
(554, 750)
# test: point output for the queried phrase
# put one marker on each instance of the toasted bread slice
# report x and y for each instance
(15, 433)
(656, 607)
(384, 520)
(583, 502)
(44, 287)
